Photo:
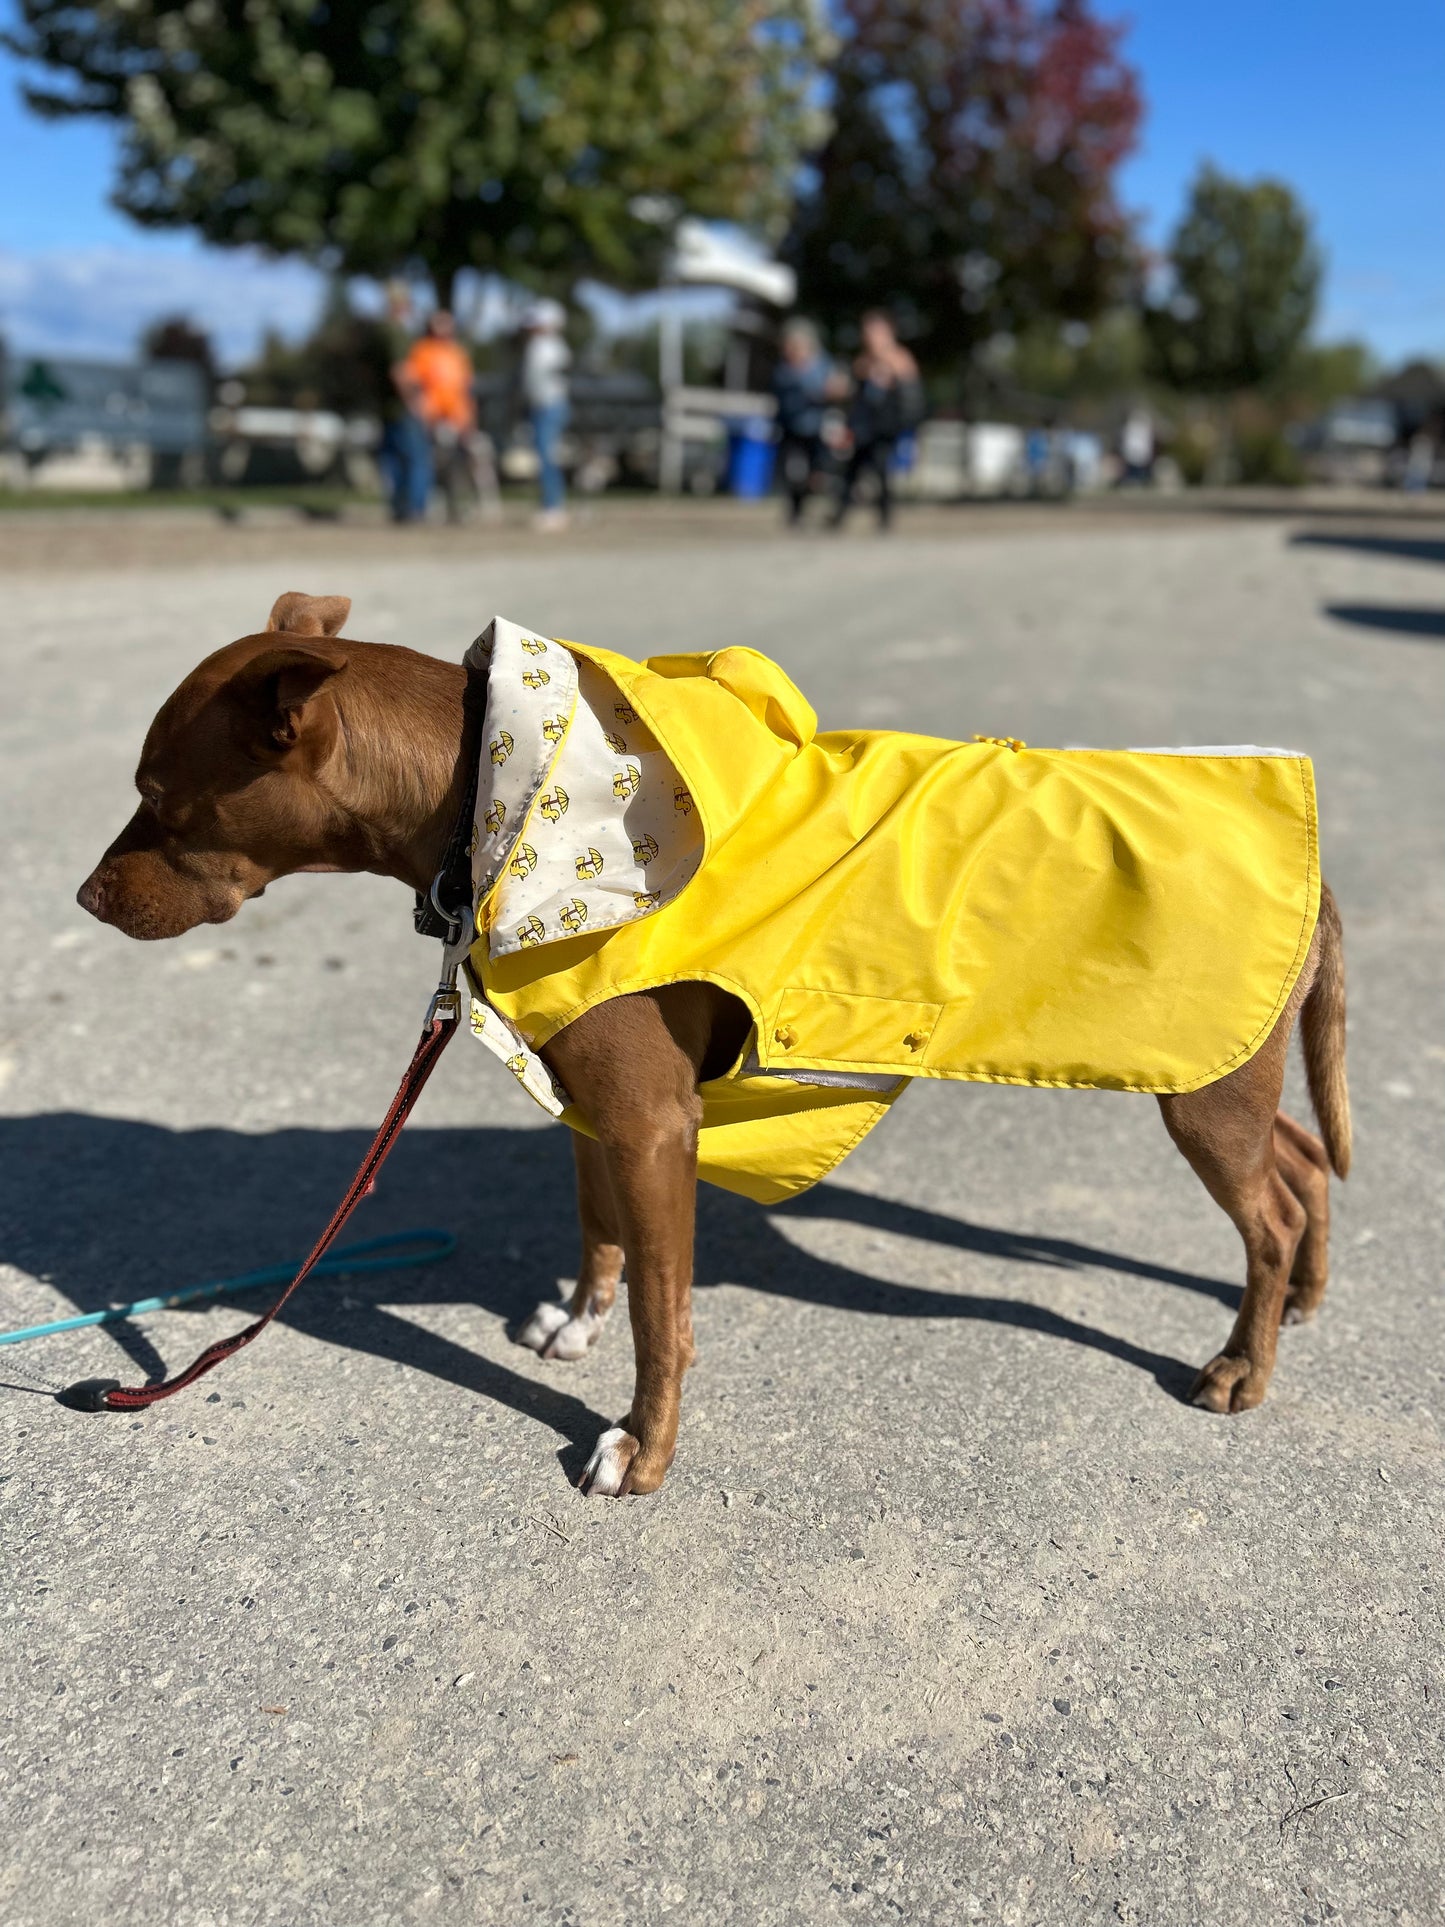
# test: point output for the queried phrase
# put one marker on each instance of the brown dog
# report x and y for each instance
(292, 751)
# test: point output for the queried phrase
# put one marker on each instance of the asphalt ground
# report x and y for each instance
(951, 1609)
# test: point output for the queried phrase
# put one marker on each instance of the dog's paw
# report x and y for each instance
(1229, 1384)
(1301, 1303)
(608, 1473)
(552, 1332)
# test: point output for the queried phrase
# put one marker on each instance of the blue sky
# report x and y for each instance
(1343, 101)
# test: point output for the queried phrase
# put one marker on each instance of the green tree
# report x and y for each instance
(1246, 277)
(344, 363)
(1073, 361)
(522, 137)
(1318, 373)
(968, 183)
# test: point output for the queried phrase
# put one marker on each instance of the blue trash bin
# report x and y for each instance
(751, 453)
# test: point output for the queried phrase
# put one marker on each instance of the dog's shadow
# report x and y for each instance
(109, 1210)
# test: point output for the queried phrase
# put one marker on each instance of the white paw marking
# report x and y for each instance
(604, 1472)
(577, 1336)
(546, 1321)
(552, 1331)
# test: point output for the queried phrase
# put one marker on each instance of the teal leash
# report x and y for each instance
(395, 1251)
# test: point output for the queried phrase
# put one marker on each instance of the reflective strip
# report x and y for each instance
(840, 1080)
(1213, 749)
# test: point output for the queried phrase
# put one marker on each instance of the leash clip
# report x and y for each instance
(454, 920)
(446, 1004)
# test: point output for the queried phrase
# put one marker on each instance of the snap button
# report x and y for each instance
(916, 1039)
(786, 1036)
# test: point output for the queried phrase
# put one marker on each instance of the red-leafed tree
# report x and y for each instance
(969, 182)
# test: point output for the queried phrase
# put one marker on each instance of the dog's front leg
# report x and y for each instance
(654, 1177)
(631, 1066)
(567, 1328)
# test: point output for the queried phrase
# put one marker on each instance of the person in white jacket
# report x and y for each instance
(545, 361)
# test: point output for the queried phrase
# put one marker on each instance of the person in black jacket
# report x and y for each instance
(886, 403)
(805, 382)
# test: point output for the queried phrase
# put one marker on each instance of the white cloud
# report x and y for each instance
(96, 300)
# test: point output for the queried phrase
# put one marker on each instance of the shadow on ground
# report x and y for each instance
(1419, 624)
(107, 1210)
(1422, 625)
(1398, 548)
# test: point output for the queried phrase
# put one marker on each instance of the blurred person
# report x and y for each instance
(545, 361)
(439, 377)
(404, 454)
(1136, 447)
(1419, 462)
(886, 403)
(1036, 460)
(804, 383)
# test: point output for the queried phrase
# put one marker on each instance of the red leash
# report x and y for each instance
(108, 1395)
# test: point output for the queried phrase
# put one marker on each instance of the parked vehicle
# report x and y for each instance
(1350, 442)
(275, 447)
(146, 419)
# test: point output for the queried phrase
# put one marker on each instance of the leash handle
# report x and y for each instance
(442, 1023)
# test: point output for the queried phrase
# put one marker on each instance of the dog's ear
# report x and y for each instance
(282, 682)
(295, 614)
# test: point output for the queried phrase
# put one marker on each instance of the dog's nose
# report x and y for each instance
(91, 895)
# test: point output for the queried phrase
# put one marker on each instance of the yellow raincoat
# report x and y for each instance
(898, 906)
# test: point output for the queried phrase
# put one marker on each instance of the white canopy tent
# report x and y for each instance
(709, 257)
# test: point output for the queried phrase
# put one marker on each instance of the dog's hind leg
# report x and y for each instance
(1305, 1167)
(1269, 1173)
(568, 1327)
(1306, 1160)
(1227, 1131)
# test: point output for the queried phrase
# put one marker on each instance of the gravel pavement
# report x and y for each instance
(951, 1610)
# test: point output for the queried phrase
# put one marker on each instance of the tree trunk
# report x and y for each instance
(1220, 469)
(444, 270)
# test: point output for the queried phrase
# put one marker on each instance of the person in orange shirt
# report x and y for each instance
(438, 374)
(436, 380)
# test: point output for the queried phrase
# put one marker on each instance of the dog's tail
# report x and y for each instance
(1322, 1031)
